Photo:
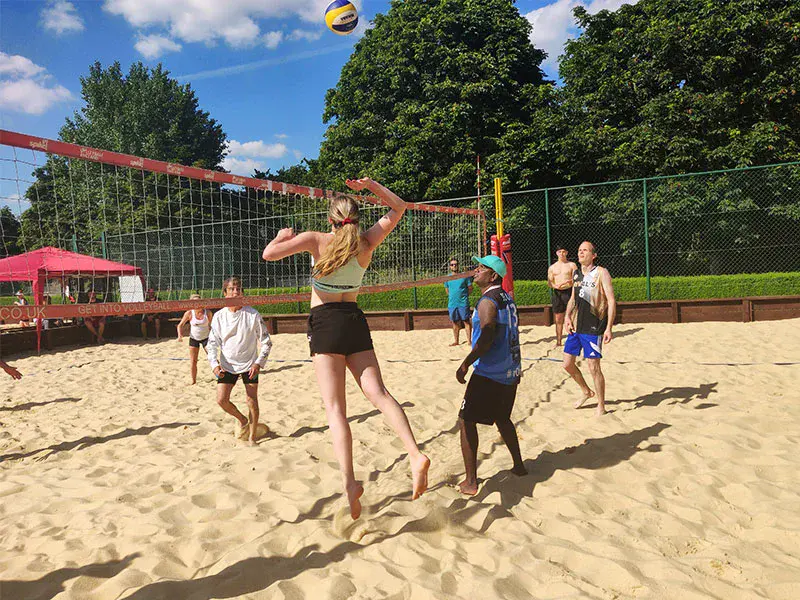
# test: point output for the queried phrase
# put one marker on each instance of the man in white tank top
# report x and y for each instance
(590, 317)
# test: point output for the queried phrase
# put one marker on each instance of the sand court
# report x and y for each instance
(118, 480)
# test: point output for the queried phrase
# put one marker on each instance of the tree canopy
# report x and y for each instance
(146, 113)
(429, 87)
(686, 85)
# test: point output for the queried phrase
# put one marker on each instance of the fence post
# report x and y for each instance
(413, 261)
(646, 241)
(103, 245)
(547, 229)
(296, 275)
(194, 262)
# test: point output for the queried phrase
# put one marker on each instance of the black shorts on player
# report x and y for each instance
(560, 299)
(486, 401)
(338, 328)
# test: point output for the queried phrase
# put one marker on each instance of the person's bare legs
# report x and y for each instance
(158, 328)
(559, 319)
(468, 325)
(330, 370)
(456, 329)
(193, 354)
(144, 329)
(92, 329)
(367, 373)
(509, 434)
(224, 401)
(101, 328)
(599, 384)
(251, 389)
(571, 368)
(469, 450)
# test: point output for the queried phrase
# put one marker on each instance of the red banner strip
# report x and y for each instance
(20, 140)
(109, 309)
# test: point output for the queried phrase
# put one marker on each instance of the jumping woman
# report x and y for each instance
(338, 333)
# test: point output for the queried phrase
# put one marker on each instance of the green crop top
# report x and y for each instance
(346, 279)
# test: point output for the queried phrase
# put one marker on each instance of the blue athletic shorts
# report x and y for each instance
(460, 314)
(592, 345)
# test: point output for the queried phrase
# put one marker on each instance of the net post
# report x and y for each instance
(646, 241)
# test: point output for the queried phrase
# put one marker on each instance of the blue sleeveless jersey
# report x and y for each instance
(502, 363)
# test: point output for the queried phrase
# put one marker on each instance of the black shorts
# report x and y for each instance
(338, 328)
(193, 343)
(487, 401)
(150, 317)
(231, 378)
(560, 300)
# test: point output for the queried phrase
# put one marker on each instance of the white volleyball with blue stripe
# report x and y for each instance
(341, 17)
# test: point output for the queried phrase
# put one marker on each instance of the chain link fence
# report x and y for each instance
(683, 236)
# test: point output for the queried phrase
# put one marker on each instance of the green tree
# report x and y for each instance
(9, 232)
(432, 85)
(663, 88)
(146, 113)
(680, 86)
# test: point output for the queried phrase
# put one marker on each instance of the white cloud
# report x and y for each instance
(272, 39)
(257, 148)
(281, 136)
(24, 87)
(209, 21)
(297, 154)
(61, 17)
(153, 46)
(243, 157)
(305, 34)
(18, 66)
(242, 166)
(554, 24)
(30, 96)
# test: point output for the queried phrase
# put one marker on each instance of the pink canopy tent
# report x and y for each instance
(39, 265)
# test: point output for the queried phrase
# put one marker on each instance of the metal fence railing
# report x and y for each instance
(714, 223)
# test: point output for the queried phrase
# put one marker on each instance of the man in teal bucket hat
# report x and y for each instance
(496, 362)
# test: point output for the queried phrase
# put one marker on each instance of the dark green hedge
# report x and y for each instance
(536, 292)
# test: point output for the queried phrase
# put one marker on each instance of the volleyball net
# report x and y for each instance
(145, 234)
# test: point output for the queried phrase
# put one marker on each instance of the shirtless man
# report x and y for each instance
(590, 316)
(559, 279)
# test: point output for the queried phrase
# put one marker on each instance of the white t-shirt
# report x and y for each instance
(234, 340)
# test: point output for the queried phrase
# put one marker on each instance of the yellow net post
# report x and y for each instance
(498, 205)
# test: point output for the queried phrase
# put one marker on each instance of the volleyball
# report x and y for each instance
(341, 17)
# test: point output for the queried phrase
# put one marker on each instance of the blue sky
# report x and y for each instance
(260, 67)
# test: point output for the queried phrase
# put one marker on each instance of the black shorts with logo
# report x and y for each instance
(487, 401)
(338, 328)
(193, 343)
(231, 378)
(560, 299)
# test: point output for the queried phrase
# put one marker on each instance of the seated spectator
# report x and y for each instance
(151, 317)
(95, 324)
(21, 301)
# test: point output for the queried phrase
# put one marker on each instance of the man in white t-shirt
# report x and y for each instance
(238, 345)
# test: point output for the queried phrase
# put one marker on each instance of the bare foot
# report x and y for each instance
(419, 473)
(244, 430)
(353, 494)
(252, 442)
(586, 396)
(519, 470)
(468, 488)
(454, 344)
(601, 410)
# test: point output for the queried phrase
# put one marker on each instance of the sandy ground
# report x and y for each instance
(120, 481)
